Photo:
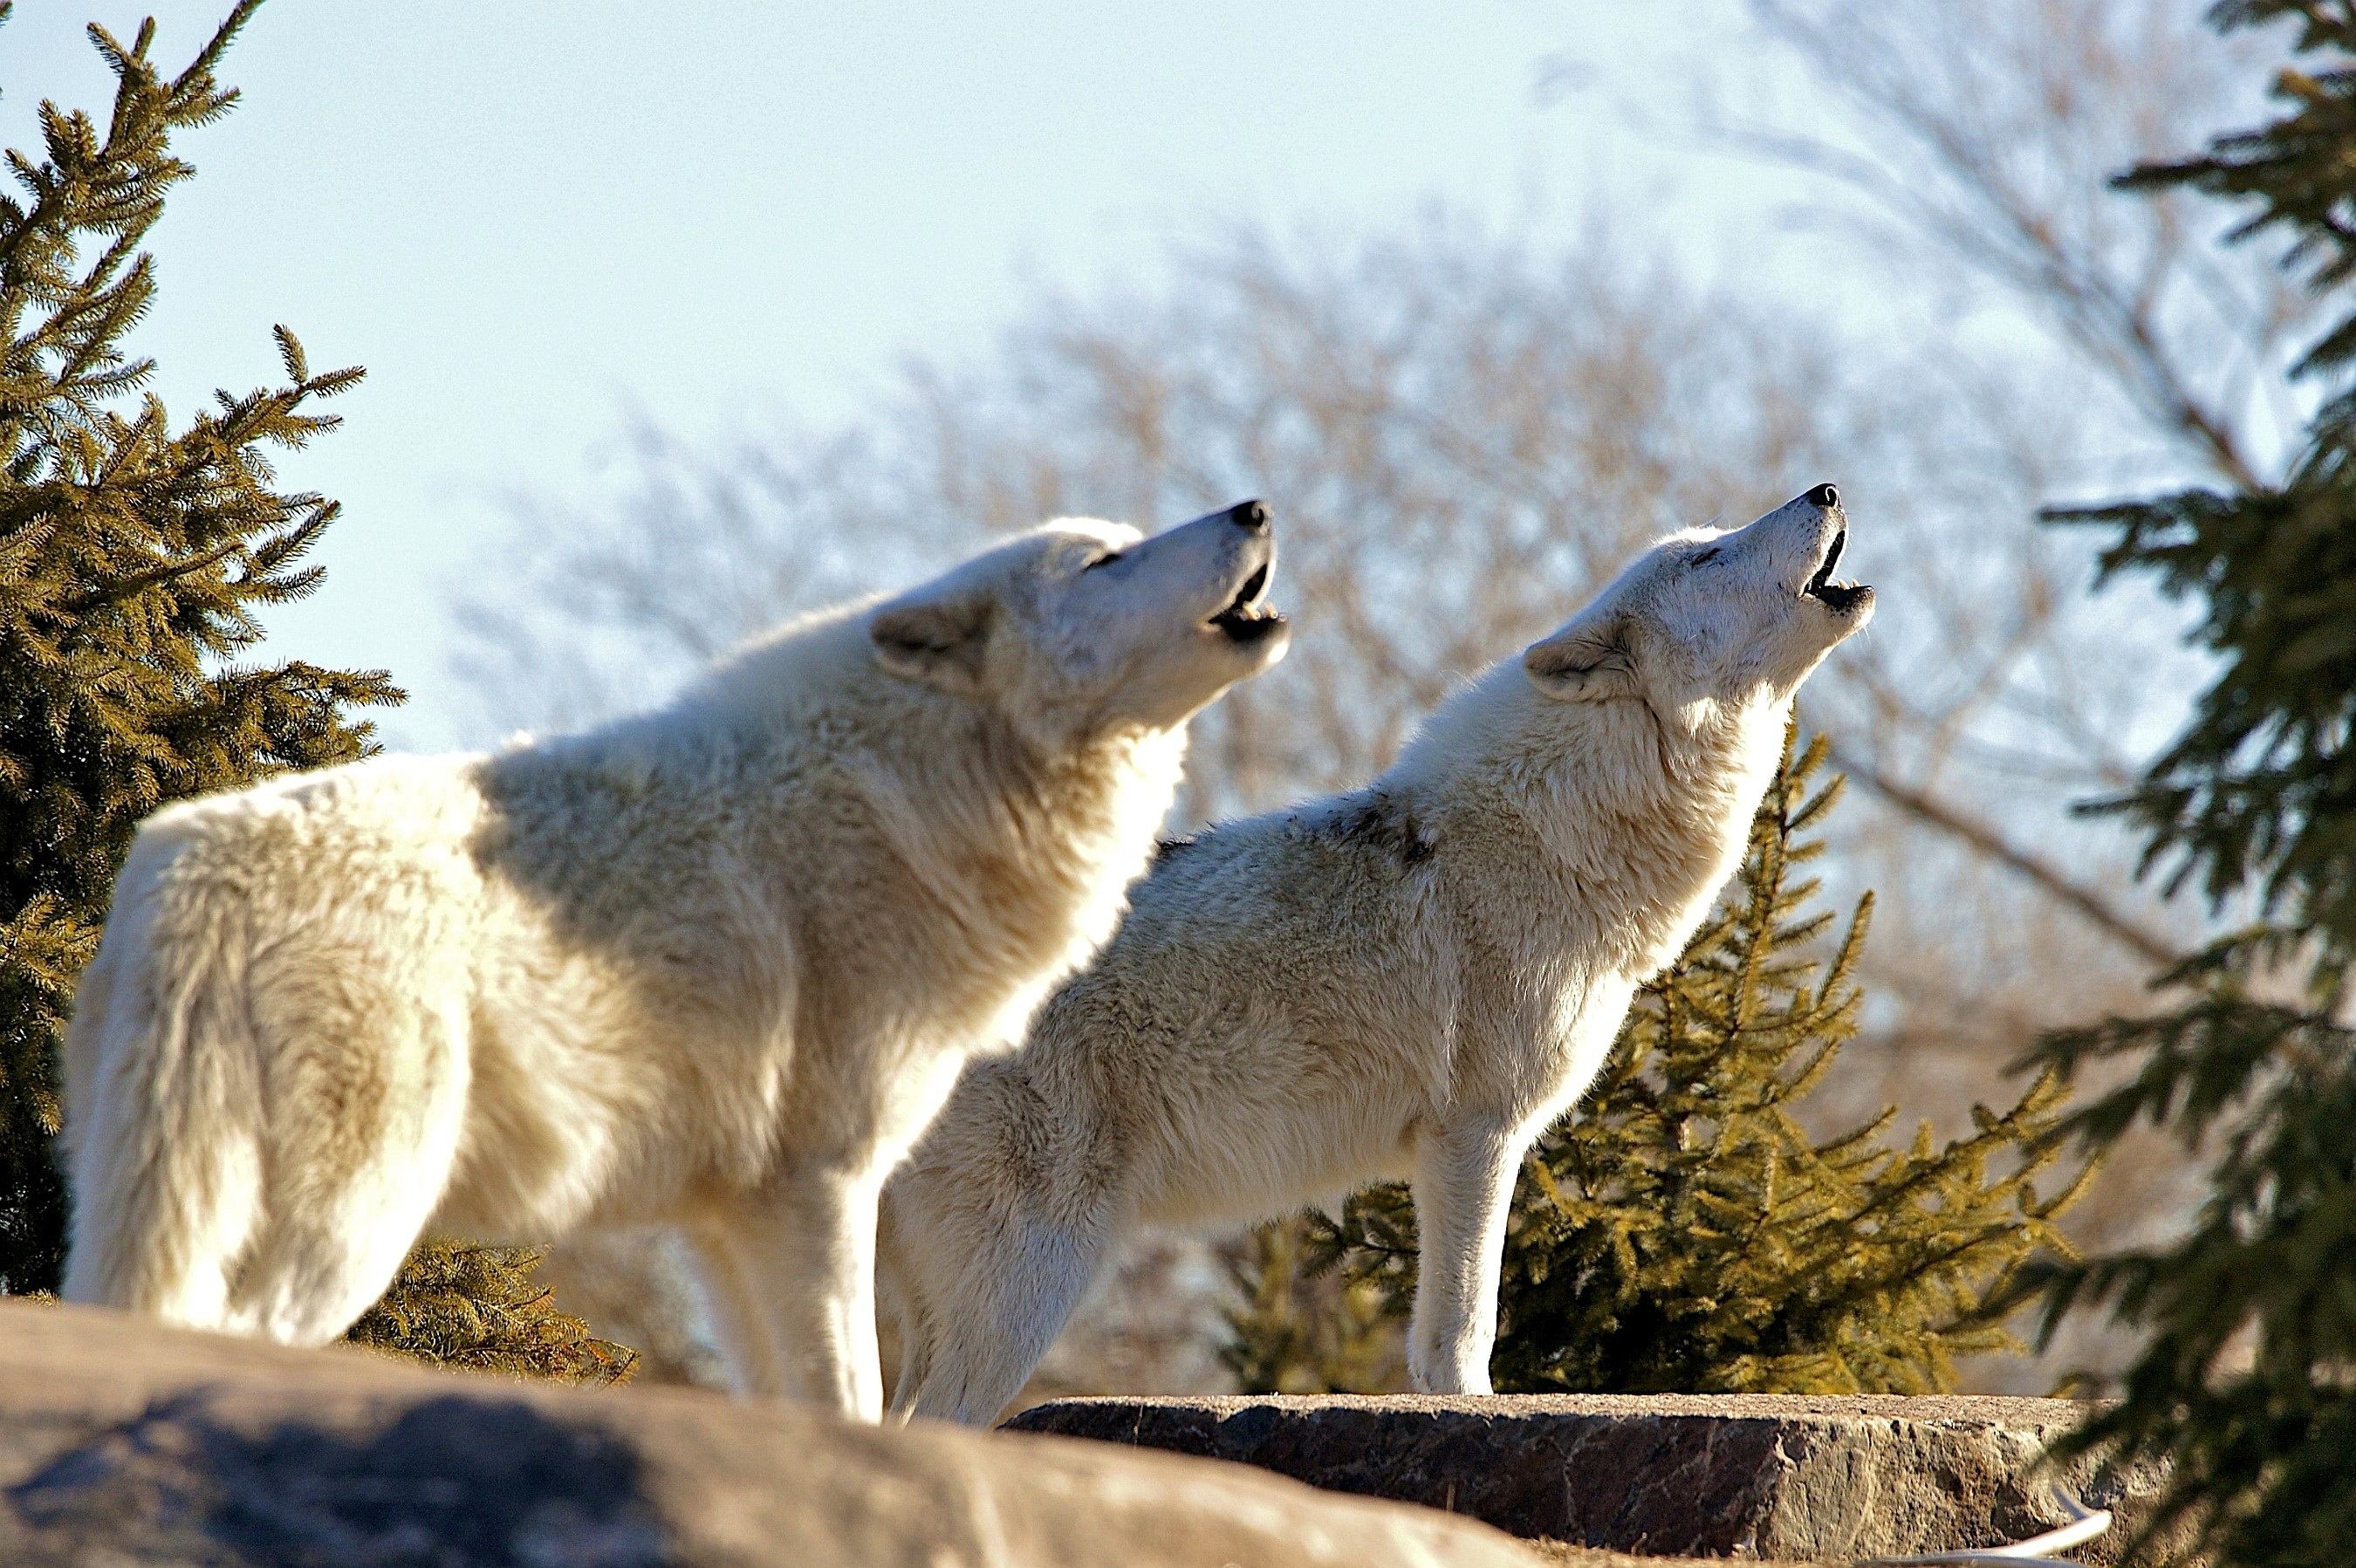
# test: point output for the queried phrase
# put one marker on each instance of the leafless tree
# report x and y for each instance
(1460, 437)
(1972, 149)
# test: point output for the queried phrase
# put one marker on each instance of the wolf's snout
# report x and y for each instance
(1248, 618)
(1824, 496)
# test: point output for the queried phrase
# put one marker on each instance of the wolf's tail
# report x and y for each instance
(162, 1102)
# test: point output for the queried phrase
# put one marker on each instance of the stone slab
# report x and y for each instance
(122, 1444)
(1773, 1476)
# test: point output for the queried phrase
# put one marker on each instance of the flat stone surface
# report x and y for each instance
(1776, 1477)
(120, 1443)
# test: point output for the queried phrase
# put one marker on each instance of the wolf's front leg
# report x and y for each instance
(803, 1252)
(1463, 1185)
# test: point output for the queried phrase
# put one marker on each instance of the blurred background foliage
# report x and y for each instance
(478, 1309)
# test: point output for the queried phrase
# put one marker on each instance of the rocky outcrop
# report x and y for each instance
(125, 1443)
(1746, 1476)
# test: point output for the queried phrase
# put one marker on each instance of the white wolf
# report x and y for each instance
(1415, 978)
(717, 965)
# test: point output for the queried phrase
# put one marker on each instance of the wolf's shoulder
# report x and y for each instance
(1360, 825)
(1374, 822)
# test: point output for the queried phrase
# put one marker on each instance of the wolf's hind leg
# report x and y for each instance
(738, 1317)
(895, 1310)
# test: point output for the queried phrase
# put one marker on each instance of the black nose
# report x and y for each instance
(1248, 514)
(1824, 496)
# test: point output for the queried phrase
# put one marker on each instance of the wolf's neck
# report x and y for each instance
(1028, 854)
(1639, 820)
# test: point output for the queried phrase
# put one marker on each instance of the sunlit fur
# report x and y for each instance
(716, 965)
(1411, 979)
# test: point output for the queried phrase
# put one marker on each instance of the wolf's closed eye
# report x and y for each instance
(1706, 557)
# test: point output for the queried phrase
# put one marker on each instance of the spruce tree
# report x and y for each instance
(1684, 1233)
(475, 1308)
(135, 560)
(2249, 1321)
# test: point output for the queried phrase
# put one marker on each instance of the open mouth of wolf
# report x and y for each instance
(1248, 618)
(1838, 597)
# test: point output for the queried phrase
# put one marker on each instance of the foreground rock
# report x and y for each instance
(122, 1444)
(1759, 1476)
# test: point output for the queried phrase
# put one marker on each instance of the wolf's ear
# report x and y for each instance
(1592, 659)
(938, 641)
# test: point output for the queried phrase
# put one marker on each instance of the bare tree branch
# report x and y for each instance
(1987, 840)
(1993, 136)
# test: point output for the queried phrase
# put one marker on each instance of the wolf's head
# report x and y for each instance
(1706, 616)
(1080, 627)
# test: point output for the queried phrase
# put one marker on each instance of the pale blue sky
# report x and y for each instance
(526, 218)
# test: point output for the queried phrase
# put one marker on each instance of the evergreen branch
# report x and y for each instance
(199, 69)
(139, 581)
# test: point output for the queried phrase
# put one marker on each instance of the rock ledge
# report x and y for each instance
(1775, 1477)
(124, 1444)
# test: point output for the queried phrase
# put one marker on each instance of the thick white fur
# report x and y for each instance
(1413, 979)
(716, 965)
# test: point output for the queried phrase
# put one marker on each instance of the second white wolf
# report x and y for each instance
(1414, 978)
